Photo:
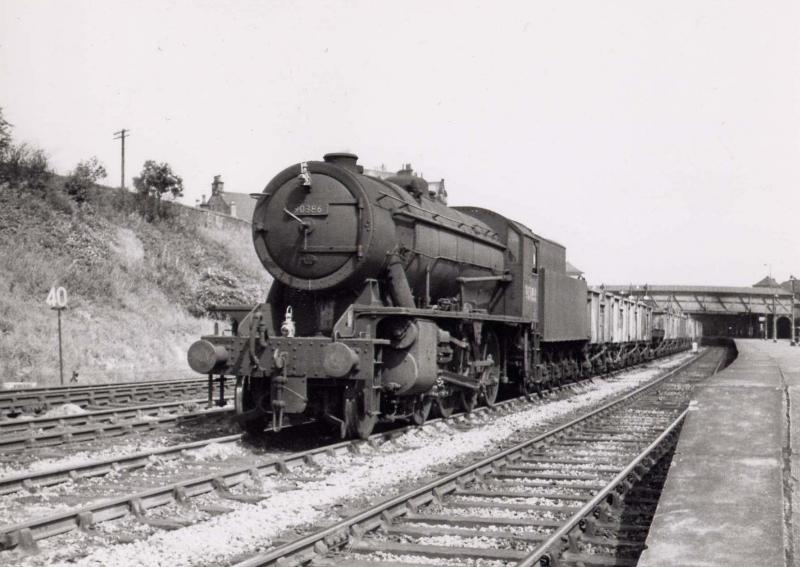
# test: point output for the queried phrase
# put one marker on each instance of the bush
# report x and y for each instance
(220, 287)
(83, 177)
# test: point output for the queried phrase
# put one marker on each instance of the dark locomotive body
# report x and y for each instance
(386, 302)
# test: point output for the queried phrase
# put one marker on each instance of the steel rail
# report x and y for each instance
(545, 550)
(27, 533)
(25, 424)
(396, 505)
(18, 443)
(78, 387)
(99, 394)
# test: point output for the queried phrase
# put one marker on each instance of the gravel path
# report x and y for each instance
(343, 482)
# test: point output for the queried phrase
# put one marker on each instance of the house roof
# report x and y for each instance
(245, 204)
(767, 281)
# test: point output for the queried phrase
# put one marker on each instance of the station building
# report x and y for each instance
(765, 310)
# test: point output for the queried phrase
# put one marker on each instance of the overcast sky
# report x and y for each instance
(658, 141)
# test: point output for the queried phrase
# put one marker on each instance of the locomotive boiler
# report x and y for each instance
(386, 302)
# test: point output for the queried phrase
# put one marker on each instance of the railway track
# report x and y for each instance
(24, 434)
(219, 483)
(222, 484)
(99, 395)
(553, 499)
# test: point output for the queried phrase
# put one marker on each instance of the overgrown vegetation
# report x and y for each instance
(140, 286)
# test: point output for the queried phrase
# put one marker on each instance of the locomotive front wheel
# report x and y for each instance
(244, 402)
(422, 409)
(527, 387)
(468, 399)
(489, 393)
(446, 405)
(358, 422)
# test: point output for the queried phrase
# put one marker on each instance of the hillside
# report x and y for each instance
(138, 291)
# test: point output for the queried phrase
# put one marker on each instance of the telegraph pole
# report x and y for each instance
(121, 135)
(791, 315)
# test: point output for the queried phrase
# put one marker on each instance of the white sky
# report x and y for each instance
(659, 141)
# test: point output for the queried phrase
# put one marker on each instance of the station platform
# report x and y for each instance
(732, 494)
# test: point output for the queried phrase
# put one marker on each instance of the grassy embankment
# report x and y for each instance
(138, 291)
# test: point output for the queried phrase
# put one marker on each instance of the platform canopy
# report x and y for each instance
(761, 310)
(698, 300)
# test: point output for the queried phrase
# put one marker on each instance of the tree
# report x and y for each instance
(157, 180)
(24, 165)
(5, 136)
(21, 165)
(85, 174)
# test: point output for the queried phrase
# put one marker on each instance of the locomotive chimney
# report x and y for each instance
(343, 159)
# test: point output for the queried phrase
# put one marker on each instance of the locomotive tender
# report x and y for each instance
(386, 302)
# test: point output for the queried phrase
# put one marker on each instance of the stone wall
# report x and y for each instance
(207, 218)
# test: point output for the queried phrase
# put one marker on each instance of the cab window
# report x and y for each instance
(513, 246)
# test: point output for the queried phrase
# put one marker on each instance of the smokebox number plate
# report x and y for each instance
(311, 209)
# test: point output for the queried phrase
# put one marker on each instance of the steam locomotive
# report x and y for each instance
(387, 303)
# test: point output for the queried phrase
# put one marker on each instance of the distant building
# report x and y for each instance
(239, 205)
(435, 188)
(767, 281)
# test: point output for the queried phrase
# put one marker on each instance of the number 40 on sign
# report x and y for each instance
(57, 298)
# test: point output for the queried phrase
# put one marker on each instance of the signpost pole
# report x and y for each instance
(57, 299)
(60, 351)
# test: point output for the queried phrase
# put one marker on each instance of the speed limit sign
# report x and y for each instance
(57, 298)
